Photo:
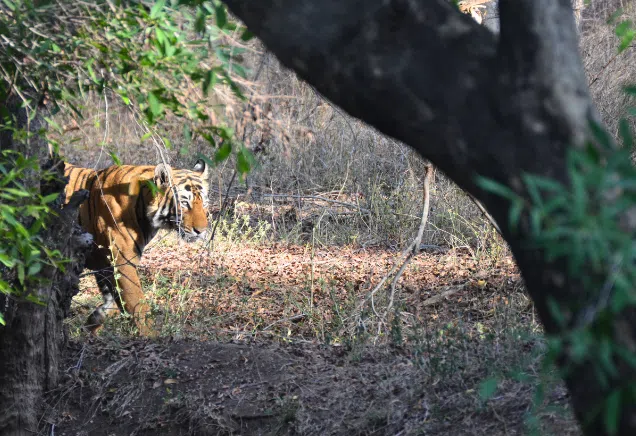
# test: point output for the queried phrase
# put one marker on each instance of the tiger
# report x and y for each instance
(127, 206)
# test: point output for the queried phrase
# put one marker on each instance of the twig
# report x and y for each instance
(414, 248)
(223, 207)
(317, 197)
(229, 186)
(290, 319)
(439, 297)
(485, 212)
(607, 64)
(313, 267)
(78, 365)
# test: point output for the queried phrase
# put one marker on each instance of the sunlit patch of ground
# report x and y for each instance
(318, 294)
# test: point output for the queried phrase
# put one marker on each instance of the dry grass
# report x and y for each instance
(607, 71)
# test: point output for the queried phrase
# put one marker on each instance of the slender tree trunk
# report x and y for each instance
(474, 104)
(31, 341)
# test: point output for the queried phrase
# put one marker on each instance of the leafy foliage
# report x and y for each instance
(24, 213)
(161, 59)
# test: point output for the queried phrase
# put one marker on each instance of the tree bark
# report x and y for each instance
(31, 341)
(472, 103)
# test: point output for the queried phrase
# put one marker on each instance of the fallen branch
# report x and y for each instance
(485, 212)
(414, 248)
(411, 251)
(317, 197)
(294, 318)
(439, 297)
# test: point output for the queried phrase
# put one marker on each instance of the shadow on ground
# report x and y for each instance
(260, 388)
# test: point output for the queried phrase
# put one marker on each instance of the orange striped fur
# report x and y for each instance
(123, 213)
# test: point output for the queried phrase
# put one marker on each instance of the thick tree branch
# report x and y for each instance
(426, 74)
(392, 64)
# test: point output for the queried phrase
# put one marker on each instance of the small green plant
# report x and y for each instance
(241, 231)
(24, 212)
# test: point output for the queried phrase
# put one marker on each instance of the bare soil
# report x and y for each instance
(257, 388)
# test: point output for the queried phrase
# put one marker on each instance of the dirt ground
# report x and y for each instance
(208, 388)
(240, 353)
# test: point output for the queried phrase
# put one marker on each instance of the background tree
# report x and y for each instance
(502, 108)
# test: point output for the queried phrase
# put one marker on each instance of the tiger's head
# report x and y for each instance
(183, 202)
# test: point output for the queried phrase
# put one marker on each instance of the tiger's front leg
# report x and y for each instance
(106, 282)
(123, 293)
(132, 298)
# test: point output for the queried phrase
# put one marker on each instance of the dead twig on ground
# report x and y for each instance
(485, 213)
(414, 248)
(442, 296)
(410, 252)
(317, 197)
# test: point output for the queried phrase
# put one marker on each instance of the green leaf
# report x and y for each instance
(209, 81)
(626, 34)
(35, 299)
(157, 9)
(9, 4)
(2, 322)
(601, 135)
(514, 215)
(17, 192)
(146, 136)
(244, 161)
(156, 107)
(34, 269)
(221, 15)
(162, 39)
(496, 188)
(199, 22)
(206, 159)
(9, 262)
(21, 273)
(487, 388)
(115, 158)
(50, 198)
(154, 189)
(612, 412)
(246, 35)
(223, 152)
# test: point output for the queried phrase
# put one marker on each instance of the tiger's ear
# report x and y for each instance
(202, 168)
(162, 176)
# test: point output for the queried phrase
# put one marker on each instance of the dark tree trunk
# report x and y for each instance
(31, 341)
(471, 102)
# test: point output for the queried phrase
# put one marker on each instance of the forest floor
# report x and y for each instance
(265, 339)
